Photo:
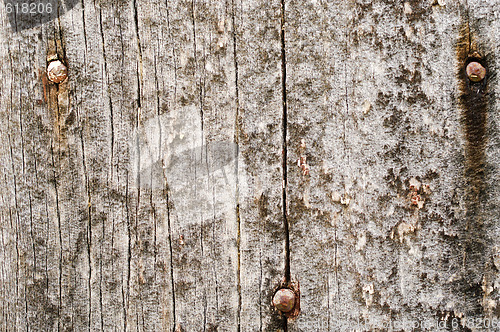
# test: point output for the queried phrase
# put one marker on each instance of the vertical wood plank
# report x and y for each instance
(484, 26)
(189, 138)
(373, 109)
(109, 67)
(317, 49)
(46, 201)
(103, 121)
(262, 250)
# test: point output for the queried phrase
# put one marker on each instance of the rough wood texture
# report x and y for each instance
(145, 192)
(372, 95)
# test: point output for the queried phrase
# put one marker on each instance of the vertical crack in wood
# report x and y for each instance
(89, 227)
(202, 148)
(138, 147)
(176, 326)
(236, 164)
(126, 292)
(160, 138)
(172, 281)
(16, 204)
(21, 131)
(261, 277)
(84, 27)
(284, 156)
(214, 221)
(204, 311)
(11, 97)
(18, 217)
(284, 143)
(174, 58)
(139, 50)
(32, 235)
(58, 213)
(346, 115)
(106, 78)
(104, 55)
(60, 38)
(158, 112)
(193, 18)
(328, 302)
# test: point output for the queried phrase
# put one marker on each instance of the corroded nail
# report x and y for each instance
(284, 300)
(57, 71)
(475, 71)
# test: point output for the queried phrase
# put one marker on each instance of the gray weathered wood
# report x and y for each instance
(373, 104)
(258, 55)
(145, 193)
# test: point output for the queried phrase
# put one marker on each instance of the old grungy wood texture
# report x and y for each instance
(258, 56)
(145, 192)
(372, 105)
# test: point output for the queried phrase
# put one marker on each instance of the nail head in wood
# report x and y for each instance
(475, 71)
(57, 71)
(284, 300)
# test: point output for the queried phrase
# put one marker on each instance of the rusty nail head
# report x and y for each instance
(57, 71)
(475, 71)
(284, 300)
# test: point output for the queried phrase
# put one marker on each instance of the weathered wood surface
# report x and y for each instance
(145, 193)
(372, 95)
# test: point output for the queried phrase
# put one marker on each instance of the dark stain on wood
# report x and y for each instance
(37, 293)
(474, 103)
(263, 206)
(56, 96)
(473, 100)
(42, 74)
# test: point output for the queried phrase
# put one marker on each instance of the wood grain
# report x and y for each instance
(146, 192)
